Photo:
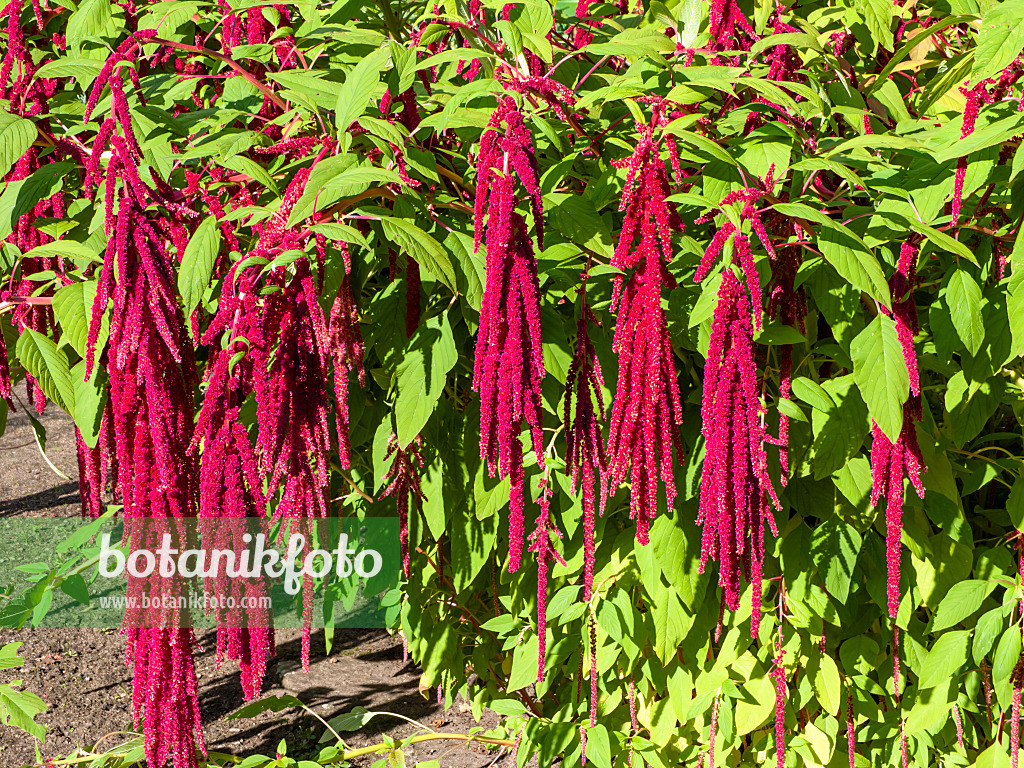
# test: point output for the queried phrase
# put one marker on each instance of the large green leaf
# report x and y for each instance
(197, 263)
(16, 136)
(49, 365)
(359, 85)
(19, 709)
(845, 251)
(90, 399)
(960, 602)
(422, 373)
(422, 247)
(963, 297)
(881, 374)
(944, 659)
(1000, 39)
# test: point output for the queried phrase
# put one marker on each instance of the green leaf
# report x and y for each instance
(93, 19)
(1000, 40)
(673, 536)
(90, 400)
(472, 546)
(422, 373)
(811, 393)
(877, 16)
(49, 366)
(963, 297)
(944, 242)
(930, 708)
(16, 136)
(358, 87)
(1003, 662)
(826, 684)
(19, 709)
(422, 247)
(839, 432)
(268, 704)
(960, 602)
(944, 659)
(351, 721)
(599, 749)
(845, 251)
(472, 267)
(197, 263)
(834, 548)
(9, 658)
(1015, 503)
(524, 664)
(73, 306)
(83, 70)
(985, 633)
(881, 374)
(68, 249)
(74, 586)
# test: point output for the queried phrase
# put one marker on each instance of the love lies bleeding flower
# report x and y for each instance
(735, 489)
(152, 374)
(509, 364)
(646, 412)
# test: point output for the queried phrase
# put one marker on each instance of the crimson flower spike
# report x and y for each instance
(585, 454)
(748, 196)
(729, 27)
(646, 412)
(345, 343)
(778, 675)
(986, 91)
(891, 462)
(509, 365)
(5, 375)
(403, 479)
(787, 304)
(541, 543)
(231, 498)
(734, 487)
(152, 375)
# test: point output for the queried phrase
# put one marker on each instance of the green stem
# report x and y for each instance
(238, 68)
(393, 25)
(373, 748)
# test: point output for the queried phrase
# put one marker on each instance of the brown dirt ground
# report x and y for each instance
(81, 674)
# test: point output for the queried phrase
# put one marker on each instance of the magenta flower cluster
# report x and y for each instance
(509, 364)
(646, 412)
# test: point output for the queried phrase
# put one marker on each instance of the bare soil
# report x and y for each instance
(82, 676)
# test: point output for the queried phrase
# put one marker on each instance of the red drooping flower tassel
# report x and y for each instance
(231, 498)
(152, 374)
(5, 374)
(729, 28)
(94, 465)
(986, 91)
(542, 545)
(585, 454)
(788, 305)
(345, 343)
(851, 737)
(509, 364)
(292, 404)
(891, 462)
(646, 412)
(778, 675)
(735, 487)
(404, 477)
